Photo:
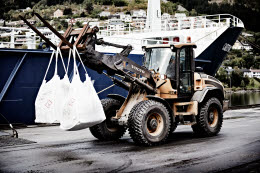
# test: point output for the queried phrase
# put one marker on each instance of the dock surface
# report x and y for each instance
(49, 149)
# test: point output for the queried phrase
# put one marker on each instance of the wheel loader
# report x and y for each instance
(163, 93)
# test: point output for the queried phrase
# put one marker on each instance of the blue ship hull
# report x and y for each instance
(22, 71)
(211, 58)
(21, 74)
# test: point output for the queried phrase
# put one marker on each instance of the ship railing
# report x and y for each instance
(193, 22)
(128, 29)
(20, 44)
(28, 41)
(171, 24)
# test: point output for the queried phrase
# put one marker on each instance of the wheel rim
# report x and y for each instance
(213, 117)
(154, 124)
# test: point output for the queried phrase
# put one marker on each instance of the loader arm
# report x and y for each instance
(117, 64)
(114, 64)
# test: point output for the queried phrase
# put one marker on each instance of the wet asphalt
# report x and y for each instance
(235, 149)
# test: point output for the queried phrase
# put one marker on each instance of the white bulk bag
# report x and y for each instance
(61, 94)
(50, 98)
(82, 108)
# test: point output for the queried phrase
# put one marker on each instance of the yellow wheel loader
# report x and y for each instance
(164, 92)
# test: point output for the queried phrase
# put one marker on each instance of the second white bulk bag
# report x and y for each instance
(82, 108)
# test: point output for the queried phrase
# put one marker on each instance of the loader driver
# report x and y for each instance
(170, 71)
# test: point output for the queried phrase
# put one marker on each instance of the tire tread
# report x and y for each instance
(99, 131)
(135, 122)
(201, 127)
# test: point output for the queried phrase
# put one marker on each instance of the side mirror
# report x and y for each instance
(199, 69)
(173, 48)
(143, 48)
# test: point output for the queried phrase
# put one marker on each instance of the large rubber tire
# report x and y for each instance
(108, 130)
(149, 123)
(210, 118)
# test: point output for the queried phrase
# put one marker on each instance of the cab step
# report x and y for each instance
(186, 111)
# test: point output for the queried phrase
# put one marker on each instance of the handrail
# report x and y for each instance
(190, 22)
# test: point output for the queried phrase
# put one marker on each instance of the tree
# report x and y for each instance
(252, 82)
(67, 11)
(254, 4)
(139, 1)
(88, 6)
(169, 7)
(104, 2)
(59, 27)
(79, 24)
(249, 59)
(112, 9)
(257, 62)
(82, 14)
(95, 12)
(64, 24)
(119, 3)
(222, 75)
(193, 12)
(242, 84)
(236, 77)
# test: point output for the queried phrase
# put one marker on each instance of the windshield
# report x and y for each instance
(159, 59)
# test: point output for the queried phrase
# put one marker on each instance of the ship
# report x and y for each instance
(22, 70)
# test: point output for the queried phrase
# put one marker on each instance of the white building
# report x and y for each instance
(115, 24)
(181, 8)
(25, 10)
(58, 13)
(114, 20)
(2, 21)
(126, 18)
(229, 70)
(180, 15)
(114, 16)
(92, 24)
(120, 14)
(243, 46)
(104, 14)
(139, 23)
(252, 73)
(138, 13)
(220, 1)
(166, 16)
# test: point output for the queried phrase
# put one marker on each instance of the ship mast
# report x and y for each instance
(153, 21)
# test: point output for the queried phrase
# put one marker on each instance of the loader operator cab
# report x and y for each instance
(175, 62)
